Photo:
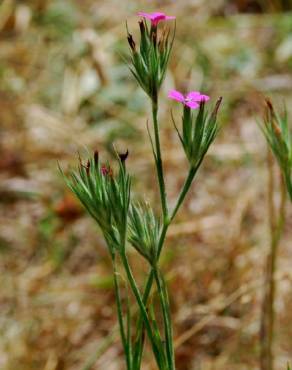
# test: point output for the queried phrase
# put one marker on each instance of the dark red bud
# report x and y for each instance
(124, 156)
(142, 27)
(95, 157)
(131, 42)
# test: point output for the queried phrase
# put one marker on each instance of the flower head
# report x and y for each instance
(155, 17)
(191, 100)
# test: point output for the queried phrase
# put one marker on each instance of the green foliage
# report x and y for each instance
(279, 137)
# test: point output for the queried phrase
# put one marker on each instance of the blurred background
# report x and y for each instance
(65, 86)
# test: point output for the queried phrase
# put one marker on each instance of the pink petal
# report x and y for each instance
(157, 15)
(176, 95)
(194, 95)
(162, 16)
(192, 104)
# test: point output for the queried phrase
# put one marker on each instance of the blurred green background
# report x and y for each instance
(64, 87)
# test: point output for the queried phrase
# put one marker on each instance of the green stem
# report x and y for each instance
(184, 190)
(158, 160)
(159, 169)
(157, 352)
(120, 316)
(140, 336)
(162, 292)
(276, 237)
(129, 330)
(288, 181)
(149, 283)
(277, 222)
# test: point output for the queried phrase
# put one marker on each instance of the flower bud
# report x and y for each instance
(217, 106)
(131, 43)
(124, 156)
(142, 27)
(95, 157)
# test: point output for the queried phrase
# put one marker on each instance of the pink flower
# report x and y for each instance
(156, 17)
(191, 100)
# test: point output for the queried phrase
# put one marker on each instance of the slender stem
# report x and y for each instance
(135, 290)
(163, 197)
(129, 332)
(149, 283)
(288, 181)
(266, 354)
(162, 292)
(268, 313)
(272, 283)
(120, 315)
(184, 190)
(181, 197)
(158, 161)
